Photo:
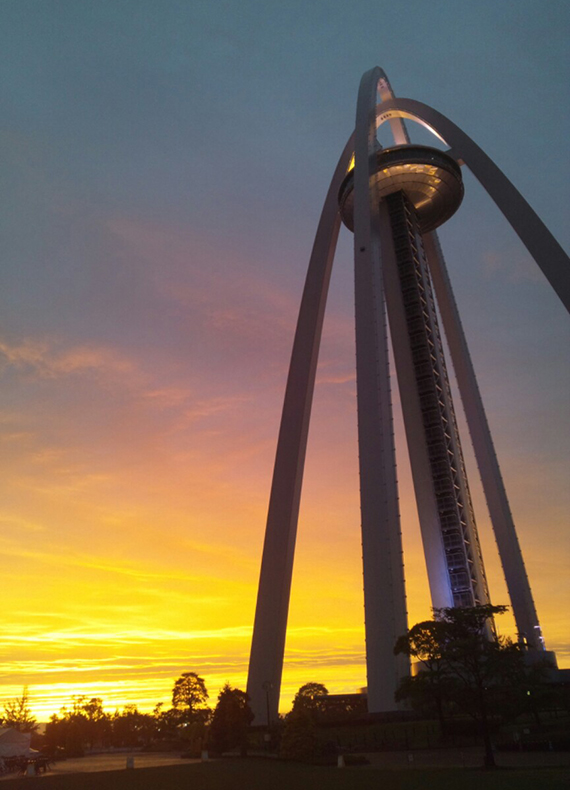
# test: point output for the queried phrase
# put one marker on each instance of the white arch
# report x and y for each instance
(383, 115)
(546, 251)
(269, 631)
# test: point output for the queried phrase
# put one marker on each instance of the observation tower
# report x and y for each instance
(393, 200)
(415, 189)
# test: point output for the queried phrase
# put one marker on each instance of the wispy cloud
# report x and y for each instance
(512, 266)
(49, 358)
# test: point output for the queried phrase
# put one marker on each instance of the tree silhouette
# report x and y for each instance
(189, 697)
(424, 642)
(17, 714)
(230, 721)
(464, 664)
(310, 697)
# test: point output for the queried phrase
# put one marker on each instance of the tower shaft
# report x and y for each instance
(454, 561)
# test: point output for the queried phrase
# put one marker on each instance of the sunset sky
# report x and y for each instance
(163, 168)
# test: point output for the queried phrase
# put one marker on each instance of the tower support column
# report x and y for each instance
(508, 545)
(384, 589)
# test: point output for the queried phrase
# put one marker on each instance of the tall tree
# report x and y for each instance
(424, 642)
(299, 740)
(310, 698)
(465, 661)
(189, 697)
(132, 728)
(230, 721)
(83, 725)
(17, 714)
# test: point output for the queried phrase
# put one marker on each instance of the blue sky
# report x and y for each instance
(163, 169)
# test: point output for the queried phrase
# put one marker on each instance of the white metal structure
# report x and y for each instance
(400, 273)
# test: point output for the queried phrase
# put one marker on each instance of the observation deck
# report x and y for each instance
(430, 179)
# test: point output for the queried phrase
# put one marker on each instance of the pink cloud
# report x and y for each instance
(48, 358)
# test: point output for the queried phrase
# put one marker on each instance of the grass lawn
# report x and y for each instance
(259, 774)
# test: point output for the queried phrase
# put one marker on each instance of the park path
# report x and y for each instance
(112, 762)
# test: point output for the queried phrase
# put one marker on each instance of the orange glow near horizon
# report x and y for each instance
(164, 167)
(135, 487)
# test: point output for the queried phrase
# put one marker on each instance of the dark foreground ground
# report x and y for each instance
(262, 774)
